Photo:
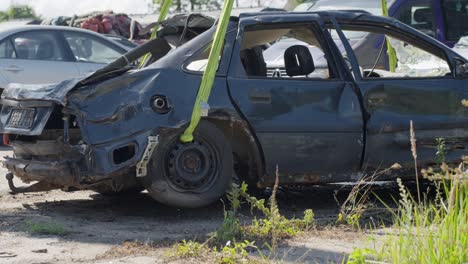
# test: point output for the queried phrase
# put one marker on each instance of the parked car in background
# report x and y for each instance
(32, 54)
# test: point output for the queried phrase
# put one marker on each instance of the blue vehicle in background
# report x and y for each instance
(445, 20)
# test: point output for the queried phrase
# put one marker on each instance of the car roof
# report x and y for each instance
(345, 14)
(10, 29)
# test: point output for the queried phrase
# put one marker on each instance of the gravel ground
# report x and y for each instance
(99, 225)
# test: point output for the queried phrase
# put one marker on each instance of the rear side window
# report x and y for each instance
(6, 50)
(456, 17)
(36, 45)
(86, 48)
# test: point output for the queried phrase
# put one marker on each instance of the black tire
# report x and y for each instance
(121, 185)
(190, 175)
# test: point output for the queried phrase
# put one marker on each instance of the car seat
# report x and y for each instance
(45, 51)
(22, 51)
(298, 61)
(253, 61)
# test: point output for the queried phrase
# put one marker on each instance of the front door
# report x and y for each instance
(35, 57)
(421, 89)
(304, 113)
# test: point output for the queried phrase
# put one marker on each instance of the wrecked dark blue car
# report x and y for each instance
(118, 130)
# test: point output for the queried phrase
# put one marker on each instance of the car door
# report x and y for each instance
(91, 52)
(310, 126)
(422, 89)
(35, 57)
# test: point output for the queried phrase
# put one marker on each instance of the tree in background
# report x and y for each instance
(18, 12)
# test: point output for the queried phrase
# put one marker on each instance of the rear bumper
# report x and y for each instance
(58, 173)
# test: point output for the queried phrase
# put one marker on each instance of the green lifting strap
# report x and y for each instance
(210, 71)
(162, 15)
(392, 58)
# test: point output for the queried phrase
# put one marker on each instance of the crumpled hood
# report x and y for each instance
(51, 92)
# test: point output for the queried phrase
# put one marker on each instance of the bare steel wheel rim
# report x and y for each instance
(192, 166)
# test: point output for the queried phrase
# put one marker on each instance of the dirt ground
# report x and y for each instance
(100, 225)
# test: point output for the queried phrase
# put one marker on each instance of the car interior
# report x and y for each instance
(294, 60)
(37, 48)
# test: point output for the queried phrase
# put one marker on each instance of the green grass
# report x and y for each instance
(433, 231)
(46, 228)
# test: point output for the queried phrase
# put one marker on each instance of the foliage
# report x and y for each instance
(355, 205)
(234, 253)
(230, 229)
(231, 253)
(430, 231)
(441, 152)
(18, 12)
(188, 249)
(46, 228)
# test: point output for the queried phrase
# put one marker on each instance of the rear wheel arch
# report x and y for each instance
(247, 153)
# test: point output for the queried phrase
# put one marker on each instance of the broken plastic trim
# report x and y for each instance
(142, 165)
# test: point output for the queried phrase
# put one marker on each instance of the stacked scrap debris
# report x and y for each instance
(103, 22)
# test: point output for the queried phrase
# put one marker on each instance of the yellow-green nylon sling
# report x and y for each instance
(210, 71)
(392, 58)
(162, 15)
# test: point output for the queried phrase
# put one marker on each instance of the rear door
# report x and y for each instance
(91, 52)
(422, 89)
(36, 57)
(308, 121)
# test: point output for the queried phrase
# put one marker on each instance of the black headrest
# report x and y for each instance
(298, 61)
(253, 61)
(423, 15)
(45, 51)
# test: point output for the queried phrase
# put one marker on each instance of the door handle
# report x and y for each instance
(377, 96)
(13, 69)
(260, 96)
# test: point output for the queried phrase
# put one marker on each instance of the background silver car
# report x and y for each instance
(49, 54)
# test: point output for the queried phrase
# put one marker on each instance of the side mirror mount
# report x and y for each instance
(461, 69)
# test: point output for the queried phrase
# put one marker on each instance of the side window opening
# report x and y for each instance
(283, 52)
(91, 50)
(6, 50)
(37, 45)
(413, 61)
(198, 62)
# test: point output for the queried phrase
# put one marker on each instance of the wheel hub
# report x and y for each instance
(191, 165)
